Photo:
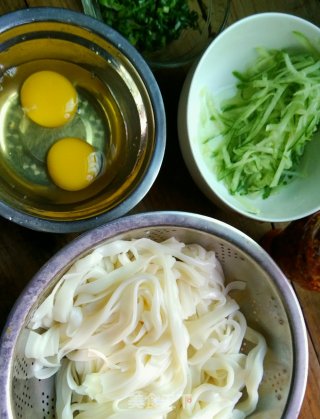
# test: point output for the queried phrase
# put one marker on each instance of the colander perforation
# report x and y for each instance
(260, 302)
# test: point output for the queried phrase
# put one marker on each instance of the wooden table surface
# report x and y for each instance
(23, 251)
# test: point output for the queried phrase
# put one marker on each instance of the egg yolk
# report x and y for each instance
(48, 98)
(72, 163)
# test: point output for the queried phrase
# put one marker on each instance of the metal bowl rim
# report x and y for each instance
(90, 239)
(66, 16)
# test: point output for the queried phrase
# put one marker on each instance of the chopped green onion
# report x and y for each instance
(149, 25)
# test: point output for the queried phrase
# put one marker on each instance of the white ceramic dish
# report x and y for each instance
(233, 50)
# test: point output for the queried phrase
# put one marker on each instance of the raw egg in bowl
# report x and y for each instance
(83, 125)
(48, 98)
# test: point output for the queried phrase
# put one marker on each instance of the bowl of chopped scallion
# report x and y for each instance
(249, 116)
(170, 33)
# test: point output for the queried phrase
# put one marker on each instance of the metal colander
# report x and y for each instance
(268, 303)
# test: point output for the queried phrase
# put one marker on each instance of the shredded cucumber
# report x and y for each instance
(266, 125)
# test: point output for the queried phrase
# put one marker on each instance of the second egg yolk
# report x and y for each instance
(72, 163)
(48, 98)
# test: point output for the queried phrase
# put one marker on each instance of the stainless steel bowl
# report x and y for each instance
(132, 118)
(269, 304)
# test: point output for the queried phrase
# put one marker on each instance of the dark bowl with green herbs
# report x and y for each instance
(170, 33)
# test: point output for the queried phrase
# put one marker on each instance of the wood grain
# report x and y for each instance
(67, 4)
(310, 303)
(311, 404)
(307, 9)
(11, 5)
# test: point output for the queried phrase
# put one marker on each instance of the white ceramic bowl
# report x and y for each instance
(233, 50)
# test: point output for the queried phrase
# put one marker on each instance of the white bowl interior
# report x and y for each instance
(233, 50)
